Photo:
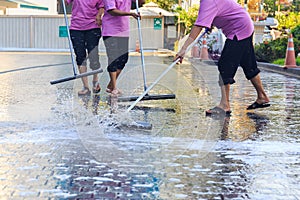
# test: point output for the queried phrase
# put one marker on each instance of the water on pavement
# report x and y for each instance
(56, 145)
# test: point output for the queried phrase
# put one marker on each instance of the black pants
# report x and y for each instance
(85, 44)
(237, 53)
(117, 52)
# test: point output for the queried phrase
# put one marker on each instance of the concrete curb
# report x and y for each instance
(293, 72)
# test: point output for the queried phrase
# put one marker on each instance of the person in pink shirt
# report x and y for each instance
(115, 32)
(85, 34)
(237, 26)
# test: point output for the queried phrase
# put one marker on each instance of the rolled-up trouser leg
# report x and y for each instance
(92, 41)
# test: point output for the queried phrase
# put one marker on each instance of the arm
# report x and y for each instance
(99, 16)
(116, 12)
(192, 36)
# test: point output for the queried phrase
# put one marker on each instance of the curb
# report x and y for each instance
(293, 72)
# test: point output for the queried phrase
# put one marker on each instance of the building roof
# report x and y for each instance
(26, 4)
(152, 9)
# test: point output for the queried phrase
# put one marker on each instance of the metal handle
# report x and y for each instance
(164, 72)
(69, 37)
(141, 46)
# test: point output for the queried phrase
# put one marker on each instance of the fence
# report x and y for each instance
(45, 33)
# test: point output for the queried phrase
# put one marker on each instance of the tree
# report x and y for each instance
(187, 18)
(275, 49)
(168, 5)
(296, 5)
(270, 7)
(288, 21)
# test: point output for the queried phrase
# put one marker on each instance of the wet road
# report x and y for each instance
(54, 145)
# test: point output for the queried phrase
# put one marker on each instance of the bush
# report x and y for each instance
(281, 61)
(270, 51)
(296, 39)
(288, 20)
(276, 49)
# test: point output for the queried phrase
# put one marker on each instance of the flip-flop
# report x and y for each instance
(256, 105)
(217, 111)
(96, 87)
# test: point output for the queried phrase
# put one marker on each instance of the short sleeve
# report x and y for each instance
(109, 4)
(100, 4)
(207, 12)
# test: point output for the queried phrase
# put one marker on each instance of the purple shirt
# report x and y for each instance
(84, 14)
(116, 25)
(227, 15)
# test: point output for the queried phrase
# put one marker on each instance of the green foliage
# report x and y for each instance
(270, 7)
(296, 5)
(298, 61)
(288, 21)
(296, 32)
(276, 49)
(282, 60)
(188, 18)
(164, 4)
(296, 39)
(279, 61)
(268, 52)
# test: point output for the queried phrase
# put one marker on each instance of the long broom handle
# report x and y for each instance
(141, 46)
(164, 73)
(69, 37)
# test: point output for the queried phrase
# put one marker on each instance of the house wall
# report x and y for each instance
(42, 32)
(51, 4)
(24, 11)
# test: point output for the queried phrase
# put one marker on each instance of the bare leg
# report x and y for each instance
(224, 103)
(113, 80)
(83, 69)
(96, 85)
(261, 95)
(95, 78)
(85, 90)
(111, 86)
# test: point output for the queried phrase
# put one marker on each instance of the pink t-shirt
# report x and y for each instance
(227, 15)
(116, 25)
(84, 14)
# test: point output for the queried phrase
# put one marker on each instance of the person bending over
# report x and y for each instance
(238, 50)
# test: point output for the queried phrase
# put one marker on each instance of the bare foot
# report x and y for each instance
(116, 92)
(262, 100)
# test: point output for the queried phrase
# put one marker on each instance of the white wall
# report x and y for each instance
(51, 4)
(42, 32)
(25, 11)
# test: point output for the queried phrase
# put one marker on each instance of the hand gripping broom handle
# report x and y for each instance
(164, 73)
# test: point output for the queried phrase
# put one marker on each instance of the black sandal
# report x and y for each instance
(96, 87)
(256, 105)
